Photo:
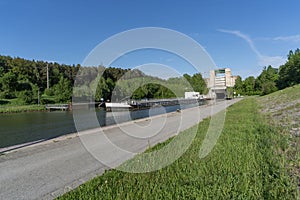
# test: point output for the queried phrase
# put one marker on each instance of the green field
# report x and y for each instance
(249, 161)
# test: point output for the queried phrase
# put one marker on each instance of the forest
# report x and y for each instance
(25, 82)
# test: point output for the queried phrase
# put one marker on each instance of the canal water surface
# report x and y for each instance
(19, 128)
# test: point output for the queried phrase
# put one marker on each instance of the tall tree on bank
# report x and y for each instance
(249, 85)
(266, 81)
(238, 87)
(289, 73)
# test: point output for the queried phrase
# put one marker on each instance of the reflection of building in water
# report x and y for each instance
(219, 83)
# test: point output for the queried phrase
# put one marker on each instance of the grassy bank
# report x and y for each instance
(283, 111)
(21, 108)
(14, 106)
(246, 163)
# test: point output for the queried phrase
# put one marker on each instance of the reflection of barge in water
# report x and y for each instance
(146, 104)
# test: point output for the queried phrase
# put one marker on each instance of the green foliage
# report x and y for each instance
(49, 92)
(114, 74)
(244, 164)
(27, 80)
(23, 86)
(264, 84)
(197, 83)
(17, 105)
(26, 97)
(47, 100)
(289, 73)
(62, 90)
(152, 90)
(140, 93)
(271, 79)
(9, 85)
(249, 85)
(239, 85)
(103, 90)
(1, 71)
(19, 77)
(134, 84)
(266, 81)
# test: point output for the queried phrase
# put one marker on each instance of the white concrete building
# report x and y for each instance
(218, 82)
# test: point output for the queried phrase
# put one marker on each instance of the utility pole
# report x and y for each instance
(47, 76)
(39, 97)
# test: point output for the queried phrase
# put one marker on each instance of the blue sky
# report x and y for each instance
(242, 35)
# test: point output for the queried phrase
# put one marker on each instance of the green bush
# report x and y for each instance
(7, 94)
(49, 92)
(26, 96)
(47, 101)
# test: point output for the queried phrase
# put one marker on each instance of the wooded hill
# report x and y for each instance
(26, 80)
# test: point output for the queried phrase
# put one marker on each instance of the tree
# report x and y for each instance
(249, 85)
(9, 85)
(26, 96)
(197, 82)
(139, 93)
(187, 77)
(268, 87)
(266, 81)
(102, 90)
(238, 87)
(63, 90)
(289, 73)
(164, 92)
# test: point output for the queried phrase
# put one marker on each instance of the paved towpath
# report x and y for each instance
(49, 169)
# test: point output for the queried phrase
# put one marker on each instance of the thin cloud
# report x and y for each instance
(275, 61)
(194, 35)
(263, 60)
(292, 38)
(245, 37)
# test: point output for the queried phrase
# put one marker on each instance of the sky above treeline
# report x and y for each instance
(242, 35)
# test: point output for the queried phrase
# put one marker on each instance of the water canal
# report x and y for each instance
(19, 128)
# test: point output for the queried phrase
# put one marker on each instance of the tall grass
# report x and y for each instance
(244, 164)
(16, 106)
(21, 108)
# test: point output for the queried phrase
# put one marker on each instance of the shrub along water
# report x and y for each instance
(245, 164)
